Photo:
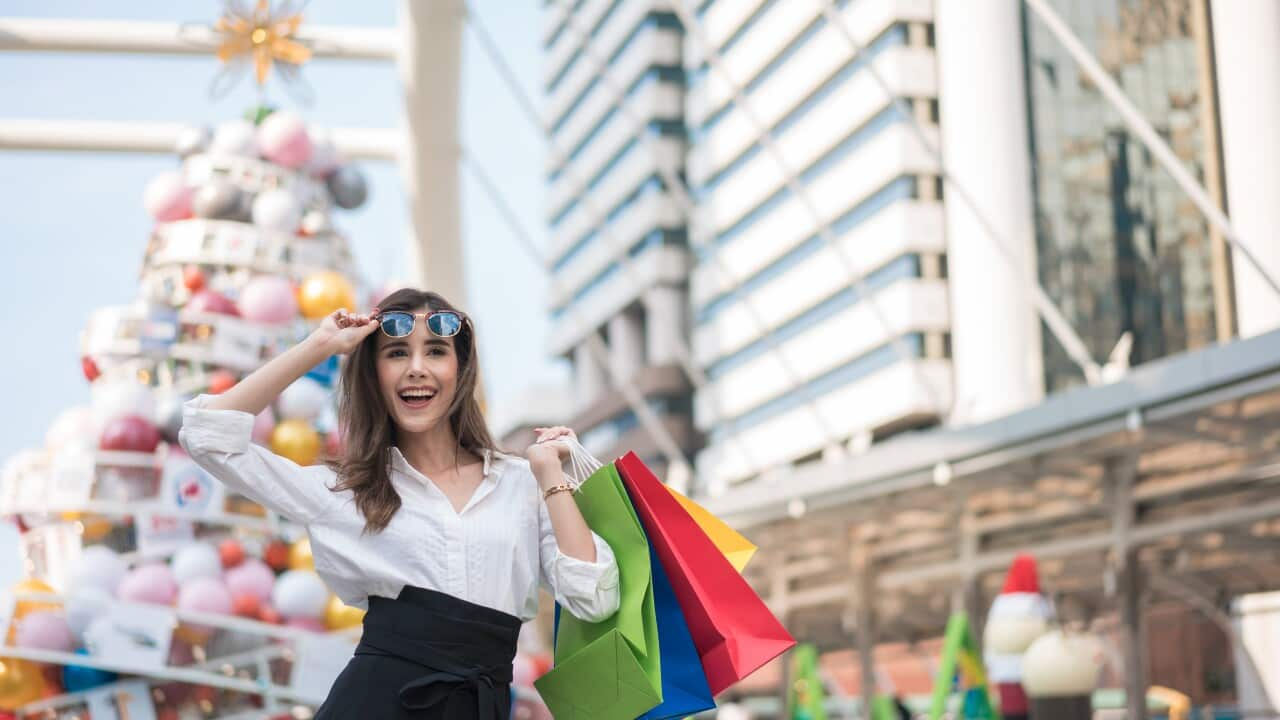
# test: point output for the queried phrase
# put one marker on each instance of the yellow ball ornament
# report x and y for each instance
(21, 682)
(339, 616)
(324, 292)
(300, 555)
(31, 585)
(297, 441)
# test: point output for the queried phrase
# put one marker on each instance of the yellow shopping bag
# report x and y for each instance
(735, 548)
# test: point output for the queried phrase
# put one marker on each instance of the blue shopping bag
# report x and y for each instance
(684, 683)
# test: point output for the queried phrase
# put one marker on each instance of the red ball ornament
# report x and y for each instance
(192, 278)
(246, 605)
(221, 381)
(89, 368)
(276, 555)
(231, 552)
(268, 614)
(132, 433)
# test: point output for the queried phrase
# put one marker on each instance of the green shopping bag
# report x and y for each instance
(609, 669)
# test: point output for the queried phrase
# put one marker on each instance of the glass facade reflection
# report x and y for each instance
(1121, 247)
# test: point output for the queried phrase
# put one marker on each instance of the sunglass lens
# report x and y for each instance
(397, 324)
(444, 324)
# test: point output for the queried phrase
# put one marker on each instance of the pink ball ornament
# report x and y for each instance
(44, 630)
(263, 423)
(251, 577)
(523, 671)
(168, 197)
(205, 594)
(283, 139)
(131, 433)
(268, 299)
(209, 301)
(149, 584)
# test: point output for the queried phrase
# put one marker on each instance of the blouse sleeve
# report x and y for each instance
(589, 591)
(220, 442)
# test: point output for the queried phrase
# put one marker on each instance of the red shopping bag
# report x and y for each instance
(732, 628)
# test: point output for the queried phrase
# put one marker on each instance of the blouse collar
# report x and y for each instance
(399, 462)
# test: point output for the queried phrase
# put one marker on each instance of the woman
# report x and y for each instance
(422, 520)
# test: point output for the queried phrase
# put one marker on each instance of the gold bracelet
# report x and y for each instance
(566, 487)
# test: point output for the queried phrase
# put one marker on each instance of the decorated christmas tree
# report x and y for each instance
(134, 540)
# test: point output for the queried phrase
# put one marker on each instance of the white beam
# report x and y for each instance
(152, 137)
(167, 38)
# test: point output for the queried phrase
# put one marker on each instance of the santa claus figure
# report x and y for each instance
(1019, 615)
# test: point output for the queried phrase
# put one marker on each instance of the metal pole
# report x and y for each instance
(430, 64)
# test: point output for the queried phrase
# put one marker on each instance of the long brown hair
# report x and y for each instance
(364, 466)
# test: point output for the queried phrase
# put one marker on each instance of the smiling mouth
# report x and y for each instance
(417, 399)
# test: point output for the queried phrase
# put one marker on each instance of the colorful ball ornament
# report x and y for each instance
(277, 210)
(348, 187)
(339, 615)
(283, 139)
(323, 293)
(21, 682)
(237, 137)
(24, 607)
(251, 577)
(77, 678)
(297, 441)
(303, 399)
(151, 583)
(231, 552)
(209, 301)
(129, 433)
(268, 299)
(197, 560)
(44, 630)
(217, 199)
(83, 606)
(300, 557)
(192, 278)
(300, 594)
(99, 567)
(263, 423)
(221, 381)
(324, 154)
(276, 555)
(168, 197)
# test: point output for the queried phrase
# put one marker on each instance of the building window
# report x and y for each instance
(1120, 247)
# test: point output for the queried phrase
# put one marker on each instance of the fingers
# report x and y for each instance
(553, 433)
(344, 319)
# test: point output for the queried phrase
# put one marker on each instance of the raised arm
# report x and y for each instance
(339, 333)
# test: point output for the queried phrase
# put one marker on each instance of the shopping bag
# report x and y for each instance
(602, 681)
(606, 507)
(684, 684)
(732, 628)
(730, 542)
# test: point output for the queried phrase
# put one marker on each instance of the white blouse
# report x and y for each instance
(495, 552)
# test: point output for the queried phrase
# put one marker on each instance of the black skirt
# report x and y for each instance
(427, 655)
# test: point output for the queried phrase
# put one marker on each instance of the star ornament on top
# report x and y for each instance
(260, 38)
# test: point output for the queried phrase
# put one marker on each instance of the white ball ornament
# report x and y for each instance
(304, 399)
(277, 210)
(300, 594)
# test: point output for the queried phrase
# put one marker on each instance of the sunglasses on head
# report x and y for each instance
(441, 323)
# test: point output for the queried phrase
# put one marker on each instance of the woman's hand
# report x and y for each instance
(343, 331)
(549, 449)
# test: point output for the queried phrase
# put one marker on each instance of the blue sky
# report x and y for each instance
(73, 228)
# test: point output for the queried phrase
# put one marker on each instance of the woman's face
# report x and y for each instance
(418, 377)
